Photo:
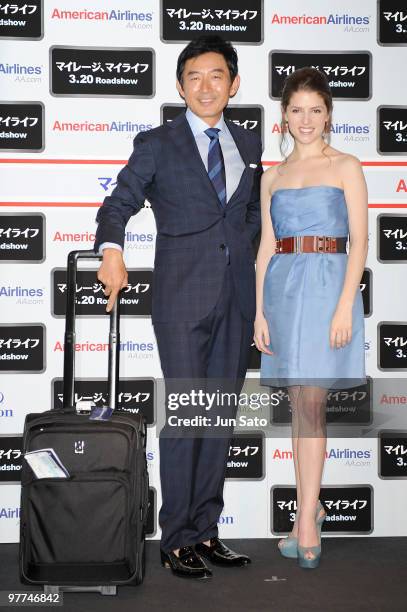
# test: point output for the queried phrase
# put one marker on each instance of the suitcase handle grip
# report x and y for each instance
(70, 336)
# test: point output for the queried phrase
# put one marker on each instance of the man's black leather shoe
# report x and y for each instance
(187, 565)
(219, 554)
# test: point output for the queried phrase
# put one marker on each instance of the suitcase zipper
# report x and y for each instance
(62, 417)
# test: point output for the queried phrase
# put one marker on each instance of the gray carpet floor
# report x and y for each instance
(356, 574)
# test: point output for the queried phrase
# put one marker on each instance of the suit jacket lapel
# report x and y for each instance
(186, 142)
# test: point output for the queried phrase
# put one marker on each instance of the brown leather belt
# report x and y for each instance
(311, 244)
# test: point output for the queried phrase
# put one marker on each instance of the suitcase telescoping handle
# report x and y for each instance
(70, 336)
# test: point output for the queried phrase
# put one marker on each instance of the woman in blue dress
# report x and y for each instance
(309, 322)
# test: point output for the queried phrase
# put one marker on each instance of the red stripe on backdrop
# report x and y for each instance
(387, 205)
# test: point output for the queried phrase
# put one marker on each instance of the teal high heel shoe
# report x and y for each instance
(303, 560)
(288, 547)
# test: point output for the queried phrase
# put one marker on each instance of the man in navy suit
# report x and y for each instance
(201, 175)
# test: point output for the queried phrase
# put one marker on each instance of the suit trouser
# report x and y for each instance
(193, 469)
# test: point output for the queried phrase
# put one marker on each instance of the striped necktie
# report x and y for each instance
(216, 165)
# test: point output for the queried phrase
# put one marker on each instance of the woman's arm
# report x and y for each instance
(355, 189)
(266, 250)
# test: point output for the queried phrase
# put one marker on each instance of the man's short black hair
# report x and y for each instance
(208, 44)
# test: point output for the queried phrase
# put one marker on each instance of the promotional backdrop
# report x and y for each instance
(78, 81)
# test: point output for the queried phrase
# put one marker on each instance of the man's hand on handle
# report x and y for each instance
(113, 274)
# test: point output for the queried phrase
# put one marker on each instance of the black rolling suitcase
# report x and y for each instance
(85, 532)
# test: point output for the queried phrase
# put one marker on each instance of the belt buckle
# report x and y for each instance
(279, 245)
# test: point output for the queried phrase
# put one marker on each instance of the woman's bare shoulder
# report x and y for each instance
(342, 159)
(346, 167)
(270, 176)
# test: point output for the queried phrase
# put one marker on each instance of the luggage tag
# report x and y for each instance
(101, 413)
(45, 463)
(84, 407)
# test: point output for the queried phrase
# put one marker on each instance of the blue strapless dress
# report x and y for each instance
(301, 292)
